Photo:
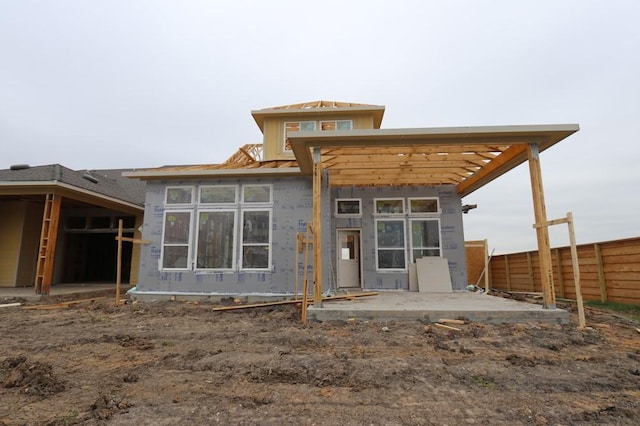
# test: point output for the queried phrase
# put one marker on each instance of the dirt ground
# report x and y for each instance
(168, 363)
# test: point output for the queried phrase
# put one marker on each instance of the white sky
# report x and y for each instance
(122, 84)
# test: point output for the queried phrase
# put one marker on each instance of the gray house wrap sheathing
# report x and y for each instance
(382, 198)
(292, 209)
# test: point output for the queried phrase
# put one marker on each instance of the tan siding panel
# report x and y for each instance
(12, 214)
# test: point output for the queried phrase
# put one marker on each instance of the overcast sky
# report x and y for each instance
(134, 84)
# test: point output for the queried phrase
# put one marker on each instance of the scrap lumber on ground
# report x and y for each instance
(294, 302)
(63, 304)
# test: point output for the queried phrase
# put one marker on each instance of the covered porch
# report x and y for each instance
(466, 157)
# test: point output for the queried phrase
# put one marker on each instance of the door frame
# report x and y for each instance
(337, 256)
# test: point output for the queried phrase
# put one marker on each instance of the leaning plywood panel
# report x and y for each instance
(433, 275)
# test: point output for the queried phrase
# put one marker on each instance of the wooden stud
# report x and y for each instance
(542, 233)
(576, 271)
(560, 273)
(602, 283)
(305, 278)
(508, 272)
(447, 327)
(317, 228)
(293, 302)
(532, 281)
(120, 239)
(119, 262)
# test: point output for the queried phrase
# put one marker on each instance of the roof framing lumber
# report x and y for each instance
(468, 157)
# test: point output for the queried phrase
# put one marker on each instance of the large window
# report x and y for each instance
(175, 242)
(233, 222)
(306, 126)
(390, 243)
(255, 239)
(425, 238)
(216, 230)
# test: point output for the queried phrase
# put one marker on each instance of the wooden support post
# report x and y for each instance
(507, 271)
(317, 227)
(574, 261)
(576, 271)
(305, 278)
(542, 233)
(486, 266)
(119, 263)
(120, 239)
(601, 278)
(532, 281)
(560, 273)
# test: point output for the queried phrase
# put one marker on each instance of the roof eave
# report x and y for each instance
(194, 174)
(65, 186)
(259, 115)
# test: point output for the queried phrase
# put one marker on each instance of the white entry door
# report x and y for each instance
(349, 258)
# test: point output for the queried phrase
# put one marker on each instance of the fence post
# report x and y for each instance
(601, 279)
(508, 272)
(532, 281)
(560, 276)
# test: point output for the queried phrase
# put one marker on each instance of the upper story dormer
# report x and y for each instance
(275, 122)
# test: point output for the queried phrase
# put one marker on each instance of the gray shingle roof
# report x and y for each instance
(109, 182)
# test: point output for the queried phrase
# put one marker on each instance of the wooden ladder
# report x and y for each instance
(44, 268)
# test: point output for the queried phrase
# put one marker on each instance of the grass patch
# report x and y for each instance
(625, 309)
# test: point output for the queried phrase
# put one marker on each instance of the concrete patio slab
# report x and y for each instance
(470, 306)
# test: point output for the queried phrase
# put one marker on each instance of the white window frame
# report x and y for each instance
(234, 247)
(242, 244)
(188, 243)
(336, 125)
(337, 212)
(300, 123)
(257, 203)
(404, 244)
(234, 203)
(413, 247)
(166, 196)
(375, 207)
(412, 213)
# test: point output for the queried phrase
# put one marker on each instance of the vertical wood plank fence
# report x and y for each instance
(609, 271)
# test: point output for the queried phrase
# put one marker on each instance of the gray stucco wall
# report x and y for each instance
(451, 232)
(292, 208)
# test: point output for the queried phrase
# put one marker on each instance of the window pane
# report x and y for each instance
(175, 257)
(423, 206)
(257, 194)
(418, 253)
(176, 227)
(307, 126)
(389, 206)
(391, 259)
(218, 194)
(255, 228)
(390, 234)
(255, 257)
(344, 125)
(348, 207)
(179, 195)
(215, 240)
(424, 233)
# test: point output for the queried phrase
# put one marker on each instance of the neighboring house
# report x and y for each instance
(378, 199)
(59, 225)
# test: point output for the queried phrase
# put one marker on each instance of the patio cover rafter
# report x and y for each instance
(468, 157)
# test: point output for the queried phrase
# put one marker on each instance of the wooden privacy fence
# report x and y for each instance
(609, 271)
